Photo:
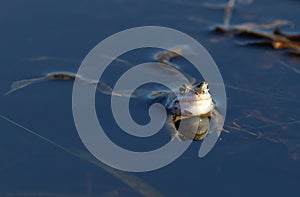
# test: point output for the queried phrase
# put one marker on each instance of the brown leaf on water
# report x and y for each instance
(286, 45)
(276, 39)
(251, 27)
(262, 34)
(166, 56)
(293, 37)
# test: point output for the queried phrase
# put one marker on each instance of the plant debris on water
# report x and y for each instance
(266, 34)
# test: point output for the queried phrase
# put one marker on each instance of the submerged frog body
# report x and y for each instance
(199, 123)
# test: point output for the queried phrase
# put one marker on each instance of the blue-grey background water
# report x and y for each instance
(38, 37)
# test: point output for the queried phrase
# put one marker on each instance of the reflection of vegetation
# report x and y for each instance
(274, 133)
(266, 119)
(58, 76)
(132, 181)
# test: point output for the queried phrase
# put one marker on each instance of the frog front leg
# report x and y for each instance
(174, 133)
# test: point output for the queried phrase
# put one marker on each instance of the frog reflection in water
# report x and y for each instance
(191, 105)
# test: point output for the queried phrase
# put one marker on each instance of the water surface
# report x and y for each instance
(38, 37)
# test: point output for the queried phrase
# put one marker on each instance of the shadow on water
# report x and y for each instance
(259, 155)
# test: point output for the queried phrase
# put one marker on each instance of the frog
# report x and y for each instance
(194, 107)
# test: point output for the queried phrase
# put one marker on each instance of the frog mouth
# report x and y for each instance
(196, 99)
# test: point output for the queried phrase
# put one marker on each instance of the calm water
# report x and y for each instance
(40, 37)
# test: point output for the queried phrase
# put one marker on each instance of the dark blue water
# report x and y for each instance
(38, 37)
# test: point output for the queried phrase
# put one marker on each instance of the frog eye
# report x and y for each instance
(182, 89)
(201, 84)
(204, 85)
